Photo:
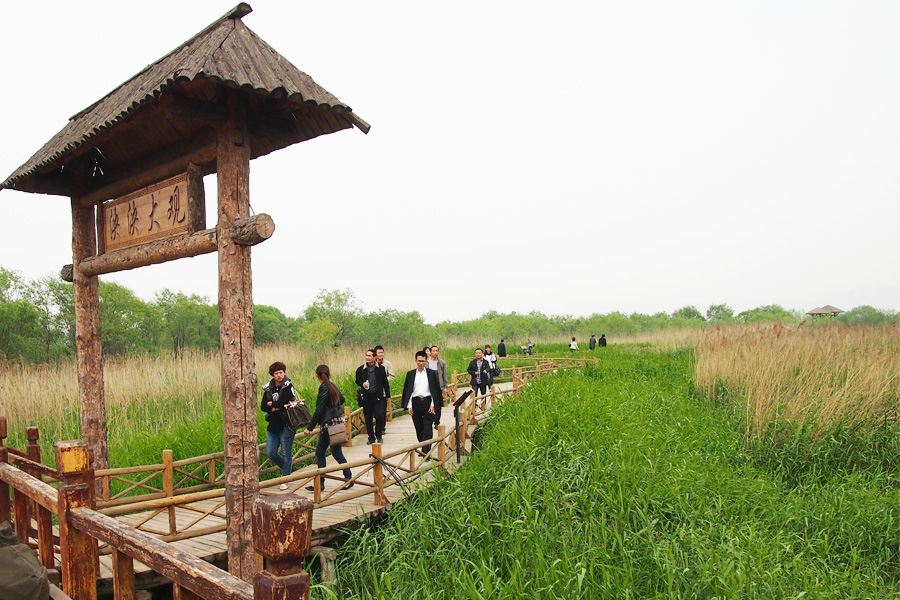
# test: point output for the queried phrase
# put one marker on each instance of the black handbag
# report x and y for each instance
(298, 414)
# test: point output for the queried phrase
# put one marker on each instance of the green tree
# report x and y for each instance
(768, 314)
(339, 307)
(188, 321)
(689, 313)
(318, 335)
(127, 323)
(719, 313)
(270, 325)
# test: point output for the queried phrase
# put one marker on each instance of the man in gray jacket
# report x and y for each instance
(436, 363)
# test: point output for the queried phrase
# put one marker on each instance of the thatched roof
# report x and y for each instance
(825, 310)
(133, 126)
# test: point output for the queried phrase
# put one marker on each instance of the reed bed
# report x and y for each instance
(817, 377)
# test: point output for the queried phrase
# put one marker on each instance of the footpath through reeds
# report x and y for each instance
(620, 482)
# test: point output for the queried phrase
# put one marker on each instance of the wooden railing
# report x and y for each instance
(81, 528)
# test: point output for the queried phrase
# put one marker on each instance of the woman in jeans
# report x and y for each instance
(276, 394)
(328, 407)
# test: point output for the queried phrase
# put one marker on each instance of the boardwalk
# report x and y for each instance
(334, 509)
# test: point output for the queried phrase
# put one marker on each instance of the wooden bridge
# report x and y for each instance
(150, 524)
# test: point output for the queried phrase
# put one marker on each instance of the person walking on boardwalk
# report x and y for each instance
(593, 341)
(276, 394)
(328, 410)
(492, 359)
(501, 349)
(480, 371)
(573, 345)
(388, 365)
(372, 378)
(602, 340)
(436, 363)
(421, 397)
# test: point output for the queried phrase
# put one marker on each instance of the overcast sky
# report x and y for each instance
(566, 157)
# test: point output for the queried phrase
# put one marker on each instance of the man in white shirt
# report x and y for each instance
(421, 396)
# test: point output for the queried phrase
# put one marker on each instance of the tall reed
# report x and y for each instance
(818, 376)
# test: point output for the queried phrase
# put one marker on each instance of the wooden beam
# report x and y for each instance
(245, 232)
(200, 150)
(239, 385)
(88, 348)
(196, 195)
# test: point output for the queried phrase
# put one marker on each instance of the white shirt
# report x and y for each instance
(421, 389)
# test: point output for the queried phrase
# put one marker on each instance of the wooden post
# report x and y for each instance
(442, 447)
(169, 487)
(455, 387)
(236, 335)
(123, 576)
(4, 487)
(282, 532)
(88, 348)
(378, 476)
(349, 425)
(389, 410)
(44, 517)
(78, 550)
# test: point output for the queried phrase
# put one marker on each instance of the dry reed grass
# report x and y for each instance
(132, 384)
(821, 376)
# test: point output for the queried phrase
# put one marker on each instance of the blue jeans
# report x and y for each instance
(285, 439)
(337, 451)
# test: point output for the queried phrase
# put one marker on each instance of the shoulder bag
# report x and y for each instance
(337, 432)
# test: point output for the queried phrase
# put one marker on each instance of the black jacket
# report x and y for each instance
(486, 378)
(277, 419)
(433, 384)
(501, 349)
(325, 410)
(383, 390)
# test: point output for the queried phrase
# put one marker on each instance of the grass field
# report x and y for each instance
(620, 482)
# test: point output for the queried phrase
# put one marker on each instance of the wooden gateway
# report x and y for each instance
(132, 165)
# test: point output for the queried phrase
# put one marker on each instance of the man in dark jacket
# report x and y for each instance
(372, 378)
(480, 370)
(501, 349)
(421, 395)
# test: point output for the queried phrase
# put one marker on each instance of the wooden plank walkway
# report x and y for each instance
(345, 508)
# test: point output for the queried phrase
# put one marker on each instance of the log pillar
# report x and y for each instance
(236, 334)
(77, 550)
(88, 350)
(282, 532)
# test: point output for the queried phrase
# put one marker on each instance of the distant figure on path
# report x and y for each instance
(573, 345)
(501, 349)
(480, 371)
(388, 366)
(593, 341)
(372, 378)
(436, 363)
(530, 347)
(276, 394)
(421, 397)
(602, 340)
(328, 410)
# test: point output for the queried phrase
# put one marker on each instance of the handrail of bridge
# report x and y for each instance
(81, 528)
(172, 491)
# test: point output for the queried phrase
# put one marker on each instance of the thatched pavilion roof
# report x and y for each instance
(825, 310)
(133, 126)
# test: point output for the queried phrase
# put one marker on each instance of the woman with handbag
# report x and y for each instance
(329, 411)
(276, 394)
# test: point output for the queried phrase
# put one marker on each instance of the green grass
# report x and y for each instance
(618, 483)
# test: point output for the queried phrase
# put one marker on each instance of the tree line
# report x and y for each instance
(37, 322)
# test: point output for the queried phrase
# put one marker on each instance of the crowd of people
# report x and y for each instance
(425, 390)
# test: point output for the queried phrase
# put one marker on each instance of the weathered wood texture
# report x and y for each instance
(196, 194)
(282, 530)
(78, 551)
(246, 232)
(236, 334)
(89, 353)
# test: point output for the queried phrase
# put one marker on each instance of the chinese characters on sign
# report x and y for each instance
(153, 213)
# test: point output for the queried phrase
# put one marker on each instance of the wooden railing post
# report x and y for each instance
(455, 386)
(123, 576)
(169, 487)
(282, 531)
(4, 487)
(442, 447)
(44, 517)
(349, 426)
(78, 551)
(389, 409)
(378, 476)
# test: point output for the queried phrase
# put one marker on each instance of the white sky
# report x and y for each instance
(567, 157)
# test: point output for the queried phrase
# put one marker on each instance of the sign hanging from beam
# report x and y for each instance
(153, 213)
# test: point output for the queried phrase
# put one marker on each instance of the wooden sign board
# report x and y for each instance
(153, 213)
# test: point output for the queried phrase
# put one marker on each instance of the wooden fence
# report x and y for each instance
(87, 527)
